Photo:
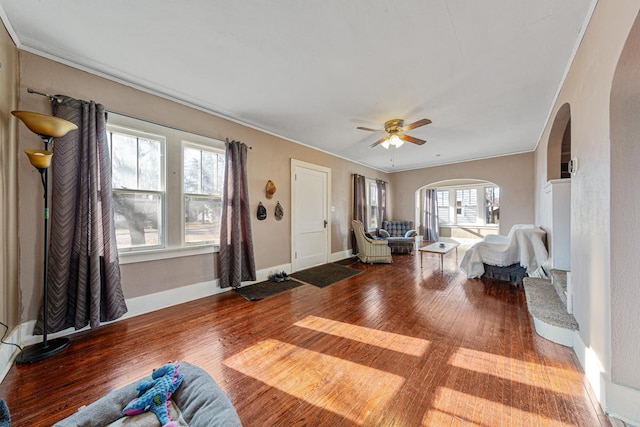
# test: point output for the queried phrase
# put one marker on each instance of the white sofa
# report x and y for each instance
(524, 245)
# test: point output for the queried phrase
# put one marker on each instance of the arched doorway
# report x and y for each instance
(466, 208)
(559, 146)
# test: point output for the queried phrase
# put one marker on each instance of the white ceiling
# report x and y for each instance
(485, 72)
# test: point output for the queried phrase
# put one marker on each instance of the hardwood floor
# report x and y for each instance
(394, 346)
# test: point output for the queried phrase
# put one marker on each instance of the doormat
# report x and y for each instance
(347, 261)
(265, 289)
(325, 275)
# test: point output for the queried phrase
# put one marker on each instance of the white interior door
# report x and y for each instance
(310, 215)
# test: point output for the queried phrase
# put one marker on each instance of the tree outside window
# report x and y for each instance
(203, 180)
(138, 194)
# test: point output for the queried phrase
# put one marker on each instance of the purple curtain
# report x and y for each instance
(236, 245)
(84, 272)
(359, 198)
(430, 216)
(359, 206)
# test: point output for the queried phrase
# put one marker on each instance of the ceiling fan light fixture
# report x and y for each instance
(396, 141)
(386, 143)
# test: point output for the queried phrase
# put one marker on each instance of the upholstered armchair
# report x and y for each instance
(370, 250)
(400, 234)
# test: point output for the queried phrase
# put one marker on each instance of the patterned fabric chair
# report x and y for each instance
(400, 234)
(370, 250)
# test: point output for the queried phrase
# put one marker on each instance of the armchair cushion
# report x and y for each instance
(397, 228)
(411, 233)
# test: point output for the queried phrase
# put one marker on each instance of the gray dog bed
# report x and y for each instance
(199, 401)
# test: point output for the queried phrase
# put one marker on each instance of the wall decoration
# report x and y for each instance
(271, 189)
(262, 212)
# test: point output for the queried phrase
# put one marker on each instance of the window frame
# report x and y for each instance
(371, 184)
(161, 192)
(207, 148)
(173, 210)
(452, 205)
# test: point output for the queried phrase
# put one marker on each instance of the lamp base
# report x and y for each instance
(38, 352)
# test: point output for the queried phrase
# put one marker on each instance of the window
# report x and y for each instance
(467, 206)
(167, 187)
(372, 204)
(464, 205)
(442, 199)
(138, 188)
(203, 178)
(492, 205)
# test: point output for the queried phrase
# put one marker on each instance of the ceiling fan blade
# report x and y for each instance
(380, 141)
(369, 129)
(411, 139)
(417, 124)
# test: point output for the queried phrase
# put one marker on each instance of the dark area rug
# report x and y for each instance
(347, 261)
(325, 275)
(266, 289)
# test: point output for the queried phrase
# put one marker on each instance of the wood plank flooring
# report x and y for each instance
(395, 346)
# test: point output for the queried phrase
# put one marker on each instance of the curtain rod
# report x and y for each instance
(51, 97)
(59, 100)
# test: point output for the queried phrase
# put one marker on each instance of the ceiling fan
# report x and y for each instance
(395, 130)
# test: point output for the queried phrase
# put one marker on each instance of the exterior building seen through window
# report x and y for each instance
(468, 205)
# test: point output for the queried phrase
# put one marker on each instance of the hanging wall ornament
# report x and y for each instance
(262, 212)
(279, 212)
(271, 188)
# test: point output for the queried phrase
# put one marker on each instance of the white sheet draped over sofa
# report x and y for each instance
(525, 245)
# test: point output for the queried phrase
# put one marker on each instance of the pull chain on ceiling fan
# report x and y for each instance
(396, 135)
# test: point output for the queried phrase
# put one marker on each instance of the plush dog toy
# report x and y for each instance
(154, 395)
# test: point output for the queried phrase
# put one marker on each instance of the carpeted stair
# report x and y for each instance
(559, 281)
(547, 303)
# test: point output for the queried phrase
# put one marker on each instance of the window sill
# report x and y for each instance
(160, 254)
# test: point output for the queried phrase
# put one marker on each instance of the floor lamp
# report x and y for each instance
(47, 128)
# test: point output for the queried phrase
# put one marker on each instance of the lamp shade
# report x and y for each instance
(40, 159)
(44, 125)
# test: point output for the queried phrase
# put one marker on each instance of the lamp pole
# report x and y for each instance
(47, 128)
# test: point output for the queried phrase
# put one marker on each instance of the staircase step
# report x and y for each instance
(549, 313)
(559, 280)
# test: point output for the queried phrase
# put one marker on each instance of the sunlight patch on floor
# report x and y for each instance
(473, 410)
(530, 373)
(386, 340)
(342, 387)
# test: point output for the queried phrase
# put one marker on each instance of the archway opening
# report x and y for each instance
(466, 208)
(559, 145)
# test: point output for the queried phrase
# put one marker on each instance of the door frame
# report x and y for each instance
(306, 165)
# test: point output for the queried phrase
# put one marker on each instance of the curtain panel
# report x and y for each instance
(431, 233)
(84, 271)
(359, 205)
(236, 256)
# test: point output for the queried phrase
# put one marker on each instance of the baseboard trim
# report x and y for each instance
(8, 352)
(339, 256)
(553, 333)
(616, 400)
